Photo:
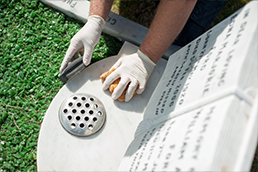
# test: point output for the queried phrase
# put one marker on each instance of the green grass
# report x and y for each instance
(33, 42)
(229, 8)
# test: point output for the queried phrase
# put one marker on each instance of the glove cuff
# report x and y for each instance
(145, 58)
(97, 20)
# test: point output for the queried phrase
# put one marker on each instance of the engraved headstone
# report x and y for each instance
(203, 115)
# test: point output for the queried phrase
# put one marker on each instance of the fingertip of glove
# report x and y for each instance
(86, 62)
(61, 69)
(140, 90)
(104, 88)
(127, 99)
(114, 96)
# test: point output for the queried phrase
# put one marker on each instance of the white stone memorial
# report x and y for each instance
(58, 150)
(203, 115)
(199, 114)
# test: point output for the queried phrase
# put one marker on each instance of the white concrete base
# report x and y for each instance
(60, 151)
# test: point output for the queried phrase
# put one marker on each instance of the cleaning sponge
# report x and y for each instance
(114, 84)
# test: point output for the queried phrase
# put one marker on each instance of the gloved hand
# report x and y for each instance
(133, 70)
(84, 41)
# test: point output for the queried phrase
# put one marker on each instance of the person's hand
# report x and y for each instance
(84, 41)
(133, 69)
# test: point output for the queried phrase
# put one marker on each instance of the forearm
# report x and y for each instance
(100, 8)
(169, 20)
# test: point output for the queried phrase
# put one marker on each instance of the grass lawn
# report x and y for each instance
(33, 42)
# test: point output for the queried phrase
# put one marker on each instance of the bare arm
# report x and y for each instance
(100, 8)
(169, 20)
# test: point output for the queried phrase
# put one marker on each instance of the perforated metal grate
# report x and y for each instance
(82, 114)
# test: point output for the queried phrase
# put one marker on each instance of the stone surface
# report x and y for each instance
(60, 151)
(203, 115)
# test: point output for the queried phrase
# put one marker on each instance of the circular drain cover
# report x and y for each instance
(82, 114)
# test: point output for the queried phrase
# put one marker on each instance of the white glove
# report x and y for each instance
(84, 41)
(133, 70)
